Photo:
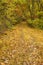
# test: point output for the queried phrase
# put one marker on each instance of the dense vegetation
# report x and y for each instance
(16, 11)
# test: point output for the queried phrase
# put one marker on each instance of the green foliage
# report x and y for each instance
(16, 11)
(37, 23)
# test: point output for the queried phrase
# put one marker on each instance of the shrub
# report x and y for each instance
(37, 23)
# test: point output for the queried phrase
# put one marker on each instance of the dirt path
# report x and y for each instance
(21, 46)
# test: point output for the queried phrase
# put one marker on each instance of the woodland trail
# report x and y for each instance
(21, 45)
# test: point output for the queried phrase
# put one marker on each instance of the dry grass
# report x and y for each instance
(21, 46)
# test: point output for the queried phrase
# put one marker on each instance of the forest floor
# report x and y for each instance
(21, 45)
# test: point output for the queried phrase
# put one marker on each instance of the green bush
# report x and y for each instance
(16, 11)
(37, 23)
